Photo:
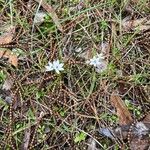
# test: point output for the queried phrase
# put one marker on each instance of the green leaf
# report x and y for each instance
(79, 137)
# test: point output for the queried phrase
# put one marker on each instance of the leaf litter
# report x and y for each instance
(7, 36)
(51, 98)
(139, 132)
(122, 112)
(12, 58)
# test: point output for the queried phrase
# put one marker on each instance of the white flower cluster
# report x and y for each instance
(98, 62)
(55, 65)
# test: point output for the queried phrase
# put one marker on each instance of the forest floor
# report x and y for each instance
(74, 71)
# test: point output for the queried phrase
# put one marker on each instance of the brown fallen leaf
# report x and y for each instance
(122, 111)
(12, 58)
(7, 36)
(140, 24)
(52, 12)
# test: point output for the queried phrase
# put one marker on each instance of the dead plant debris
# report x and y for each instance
(83, 69)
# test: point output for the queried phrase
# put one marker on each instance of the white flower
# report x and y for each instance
(58, 66)
(49, 67)
(55, 65)
(93, 61)
(98, 62)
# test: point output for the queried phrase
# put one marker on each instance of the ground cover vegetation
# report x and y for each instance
(74, 74)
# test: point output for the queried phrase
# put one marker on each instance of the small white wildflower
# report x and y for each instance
(94, 61)
(98, 62)
(49, 67)
(57, 66)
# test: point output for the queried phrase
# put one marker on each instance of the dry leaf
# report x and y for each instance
(52, 12)
(140, 24)
(122, 111)
(7, 37)
(7, 84)
(12, 58)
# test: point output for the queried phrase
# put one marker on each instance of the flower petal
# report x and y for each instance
(61, 69)
(57, 71)
(55, 62)
(50, 64)
(48, 68)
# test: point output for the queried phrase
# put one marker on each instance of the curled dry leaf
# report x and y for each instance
(12, 58)
(122, 111)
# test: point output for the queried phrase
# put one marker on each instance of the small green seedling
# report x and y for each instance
(79, 137)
